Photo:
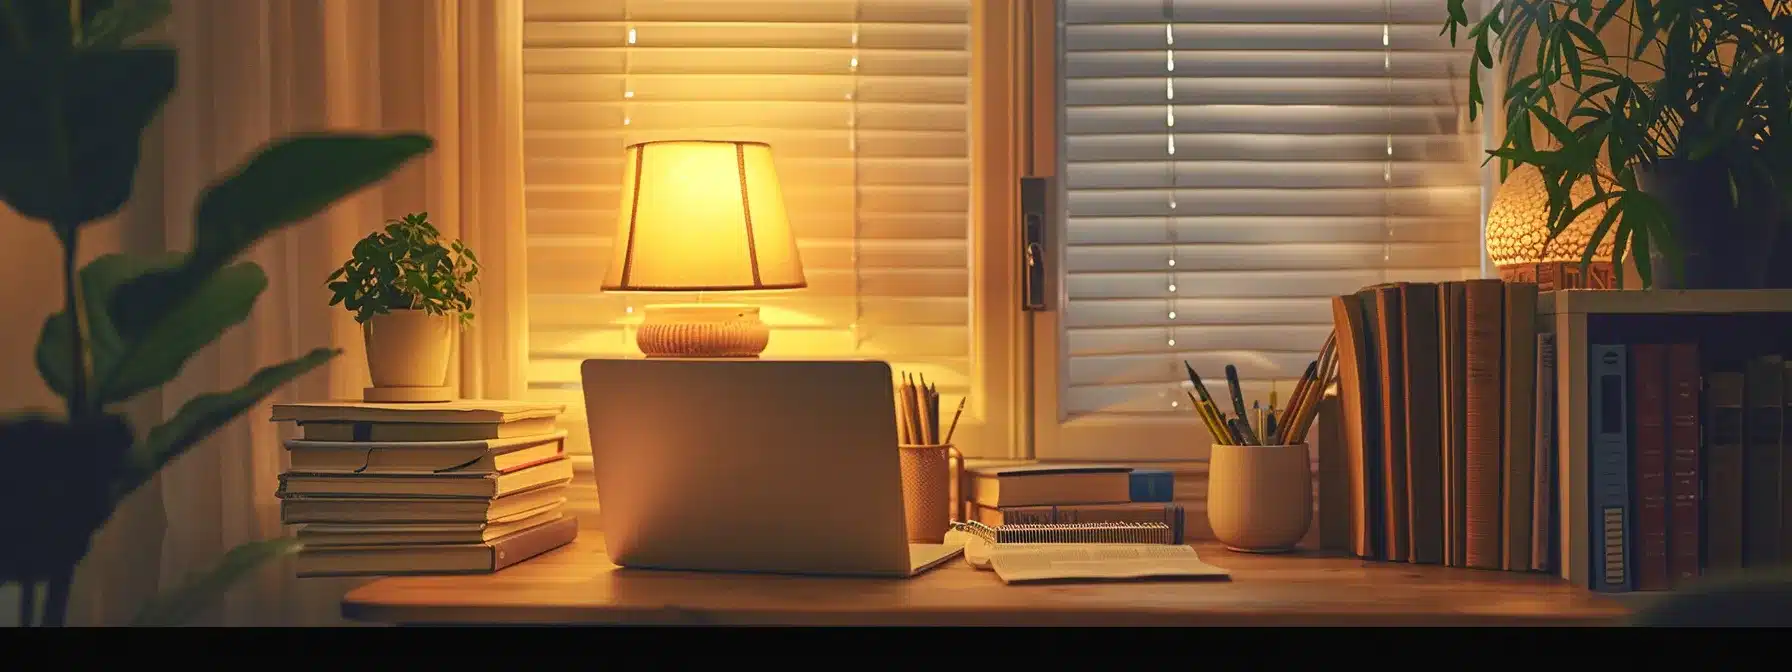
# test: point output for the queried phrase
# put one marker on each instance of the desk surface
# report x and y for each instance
(578, 584)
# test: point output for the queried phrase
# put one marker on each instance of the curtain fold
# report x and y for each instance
(253, 70)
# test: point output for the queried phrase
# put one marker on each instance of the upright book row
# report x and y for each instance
(1448, 445)
(457, 487)
(1688, 467)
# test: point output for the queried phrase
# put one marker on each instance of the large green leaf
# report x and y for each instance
(70, 128)
(156, 355)
(204, 414)
(287, 181)
(98, 280)
(56, 486)
(202, 590)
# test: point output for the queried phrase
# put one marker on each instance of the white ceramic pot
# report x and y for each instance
(408, 348)
(1260, 498)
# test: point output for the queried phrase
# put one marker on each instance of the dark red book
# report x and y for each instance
(1649, 442)
(1683, 463)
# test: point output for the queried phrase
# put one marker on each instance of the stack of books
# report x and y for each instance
(1048, 494)
(1444, 459)
(439, 488)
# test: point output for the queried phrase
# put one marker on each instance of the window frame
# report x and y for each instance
(1158, 441)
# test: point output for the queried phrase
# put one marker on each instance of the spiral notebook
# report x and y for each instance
(1080, 552)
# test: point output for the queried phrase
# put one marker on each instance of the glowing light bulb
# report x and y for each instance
(1172, 262)
(1172, 288)
(1172, 314)
(1172, 342)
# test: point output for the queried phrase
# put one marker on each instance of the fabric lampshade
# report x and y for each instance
(702, 215)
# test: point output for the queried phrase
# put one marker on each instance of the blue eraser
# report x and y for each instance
(1153, 485)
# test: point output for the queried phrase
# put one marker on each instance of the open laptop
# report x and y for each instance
(751, 465)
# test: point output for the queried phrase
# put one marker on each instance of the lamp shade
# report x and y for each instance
(1518, 223)
(702, 215)
(1518, 228)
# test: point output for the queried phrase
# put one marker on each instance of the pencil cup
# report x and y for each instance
(1260, 498)
(926, 490)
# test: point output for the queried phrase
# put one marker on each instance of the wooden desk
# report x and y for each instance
(578, 584)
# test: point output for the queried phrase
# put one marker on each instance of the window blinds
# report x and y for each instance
(865, 104)
(1229, 166)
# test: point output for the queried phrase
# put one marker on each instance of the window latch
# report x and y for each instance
(1033, 192)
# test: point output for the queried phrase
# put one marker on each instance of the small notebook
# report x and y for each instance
(1072, 533)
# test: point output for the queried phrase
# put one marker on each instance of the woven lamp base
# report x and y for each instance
(702, 330)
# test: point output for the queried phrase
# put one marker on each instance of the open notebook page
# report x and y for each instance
(1019, 563)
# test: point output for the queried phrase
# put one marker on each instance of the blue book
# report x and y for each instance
(1152, 485)
(1609, 518)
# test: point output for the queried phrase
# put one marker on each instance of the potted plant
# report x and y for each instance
(76, 95)
(409, 290)
(1680, 126)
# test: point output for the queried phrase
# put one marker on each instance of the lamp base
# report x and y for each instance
(702, 330)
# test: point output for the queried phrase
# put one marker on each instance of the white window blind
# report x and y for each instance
(866, 106)
(1231, 165)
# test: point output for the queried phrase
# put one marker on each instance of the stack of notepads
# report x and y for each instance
(1046, 494)
(440, 488)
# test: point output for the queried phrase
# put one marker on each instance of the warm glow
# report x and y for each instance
(702, 215)
(1518, 222)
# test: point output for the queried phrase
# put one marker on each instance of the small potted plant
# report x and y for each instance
(409, 289)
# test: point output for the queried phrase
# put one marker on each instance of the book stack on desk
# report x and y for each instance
(441, 488)
(1073, 493)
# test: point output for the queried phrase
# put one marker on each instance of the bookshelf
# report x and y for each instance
(1733, 320)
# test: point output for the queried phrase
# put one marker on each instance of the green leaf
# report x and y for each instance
(58, 484)
(71, 124)
(99, 278)
(115, 21)
(199, 318)
(202, 590)
(205, 413)
(287, 181)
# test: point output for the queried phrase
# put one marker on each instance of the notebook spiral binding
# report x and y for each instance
(1069, 533)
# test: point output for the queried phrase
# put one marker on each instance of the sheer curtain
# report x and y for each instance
(252, 70)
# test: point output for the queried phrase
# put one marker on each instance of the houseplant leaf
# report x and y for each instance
(71, 124)
(98, 280)
(56, 488)
(181, 330)
(204, 414)
(286, 182)
(202, 590)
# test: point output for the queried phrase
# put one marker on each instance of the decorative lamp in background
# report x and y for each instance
(702, 216)
(1518, 228)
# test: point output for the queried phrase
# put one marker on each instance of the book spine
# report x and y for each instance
(1761, 480)
(1484, 398)
(1609, 470)
(519, 546)
(1683, 454)
(1786, 474)
(1543, 514)
(1396, 505)
(1518, 440)
(1724, 460)
(1649, 493)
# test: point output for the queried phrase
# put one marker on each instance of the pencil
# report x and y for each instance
(1244, 417)
(954, 428)
(1206, 418)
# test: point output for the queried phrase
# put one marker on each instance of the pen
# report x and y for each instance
(1244, 425)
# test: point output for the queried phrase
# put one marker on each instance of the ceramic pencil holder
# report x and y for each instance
(1260, 498)
(928, 504)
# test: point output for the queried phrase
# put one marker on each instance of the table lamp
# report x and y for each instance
(1518, 227)
(702, 216)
